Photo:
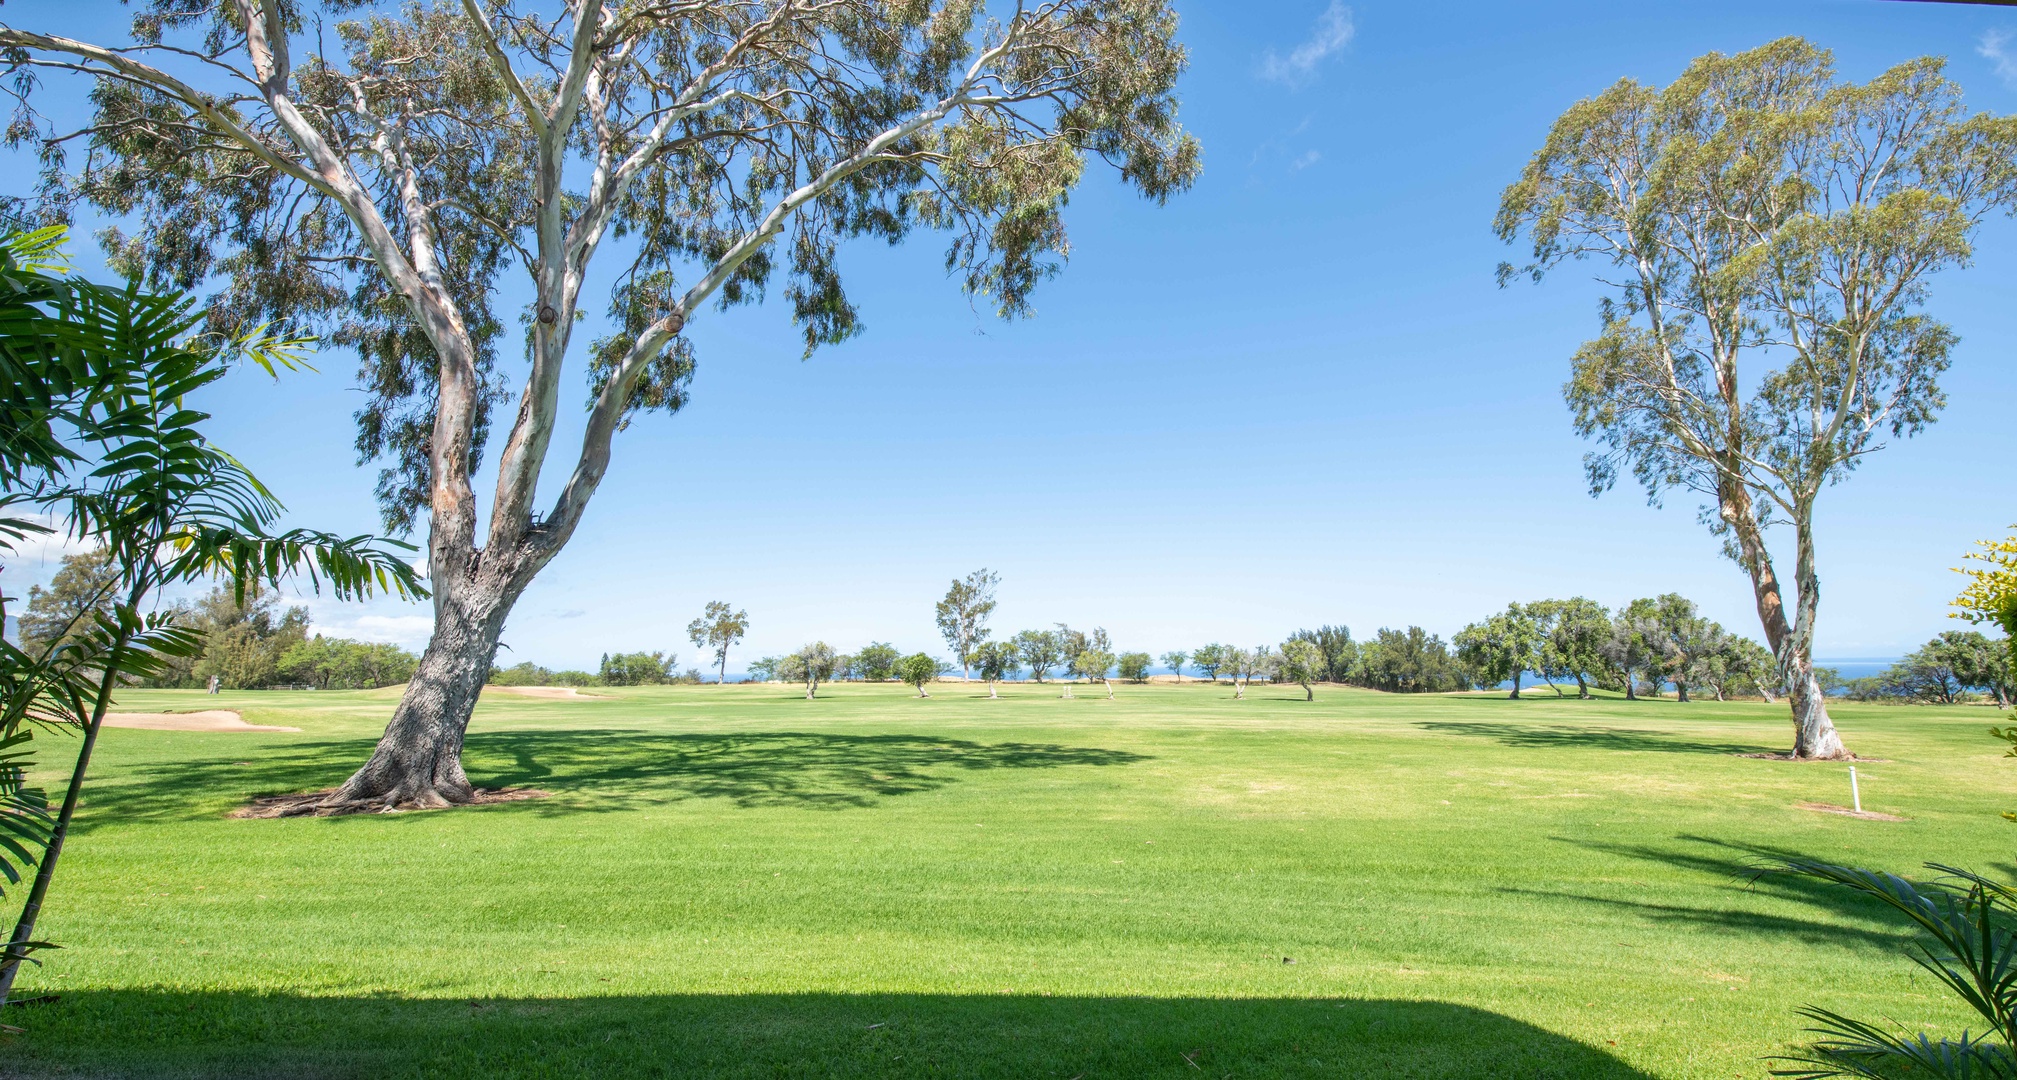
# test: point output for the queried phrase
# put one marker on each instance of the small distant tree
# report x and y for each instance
(1500, 648)
(1246, 665)
(1175, 660)
(1070, 644)
(1978, 661)
(1041, 650)
(812, 664)
(245, 637)
(1336, 649)
(1634, 645)
(767, 668)
(84, 586)
(1134, 666)
(918, 669)
(876, 662)
(996, 660)
(1094, 664)
(719, 627)
(1686, 642)
(1302, 663)
(963, 615)
(1209, 659)
(1751, 664)
(1574, 633)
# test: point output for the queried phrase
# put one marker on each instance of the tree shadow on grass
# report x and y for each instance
(1582, 736)
(1838, 916)
(166, 1034)
(610, 769)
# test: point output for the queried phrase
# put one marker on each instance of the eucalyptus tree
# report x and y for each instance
(379, 177)
(717, 630)
(1175, 660)
(996, 660)
(1041, 650)
(963, 613)
(1501, 648)
(1771, 232)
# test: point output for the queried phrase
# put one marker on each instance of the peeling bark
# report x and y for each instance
(1814, 735)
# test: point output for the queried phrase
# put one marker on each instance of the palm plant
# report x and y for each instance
(99, 438)
(1973, 953)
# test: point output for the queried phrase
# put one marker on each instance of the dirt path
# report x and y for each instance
(206, 720)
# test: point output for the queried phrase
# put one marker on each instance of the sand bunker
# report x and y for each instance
(1866, 815)
(539, 691)
(309, 804)
(207, 720)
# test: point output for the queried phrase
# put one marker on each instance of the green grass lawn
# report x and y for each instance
(736, 882)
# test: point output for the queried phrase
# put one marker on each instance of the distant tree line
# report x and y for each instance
(247, 644)
(1948, 670)
(1647, 644)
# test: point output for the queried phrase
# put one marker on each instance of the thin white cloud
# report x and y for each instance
(1333, 32)
(1991, 47)
(345, 621)
(1309, 158)
(38, 556)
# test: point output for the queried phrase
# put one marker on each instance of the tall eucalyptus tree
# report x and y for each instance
(1770, 232)
(377, 177)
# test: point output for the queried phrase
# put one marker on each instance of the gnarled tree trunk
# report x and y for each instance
(418, 761)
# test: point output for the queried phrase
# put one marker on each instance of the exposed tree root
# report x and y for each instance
(1780, 755)
(321, 803)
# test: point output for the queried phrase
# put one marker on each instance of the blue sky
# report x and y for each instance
(1293, 396)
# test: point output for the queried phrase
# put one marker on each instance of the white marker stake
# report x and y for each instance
(1855, 795)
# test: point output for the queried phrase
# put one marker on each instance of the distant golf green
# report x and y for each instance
(737, 882)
